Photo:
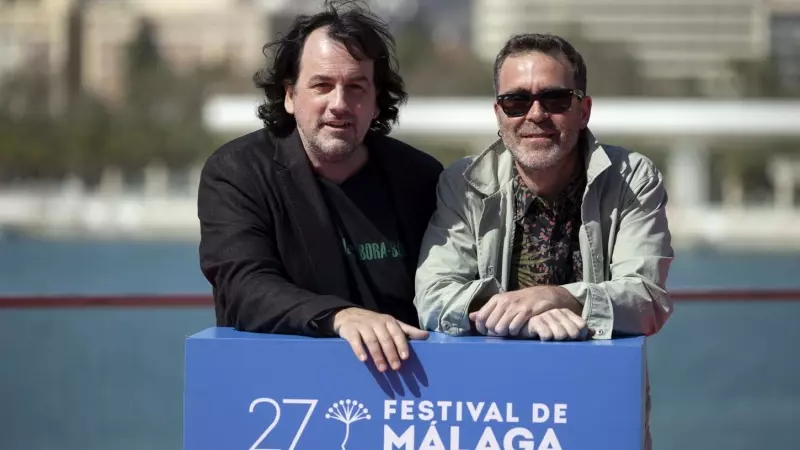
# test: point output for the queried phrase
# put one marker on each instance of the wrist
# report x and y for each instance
(553, 297)
(326, 322)
(564, 299)
(338, 316)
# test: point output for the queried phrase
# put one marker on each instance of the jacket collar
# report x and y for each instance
(289, 150)
(492, 169)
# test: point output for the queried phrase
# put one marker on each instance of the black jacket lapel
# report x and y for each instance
(310, 215)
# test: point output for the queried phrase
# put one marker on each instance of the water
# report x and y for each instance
(724, 375)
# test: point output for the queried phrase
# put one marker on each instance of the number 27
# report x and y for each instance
(289, 401)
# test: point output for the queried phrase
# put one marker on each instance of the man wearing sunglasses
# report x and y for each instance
(547, 234)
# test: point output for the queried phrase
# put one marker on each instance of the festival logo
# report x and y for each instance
(413, 425)
(348, 412)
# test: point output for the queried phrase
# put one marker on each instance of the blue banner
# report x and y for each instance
(248, 391)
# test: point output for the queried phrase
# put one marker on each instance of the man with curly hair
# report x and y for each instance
(312, 225)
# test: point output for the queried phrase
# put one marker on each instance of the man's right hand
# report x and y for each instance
(556, 324)
(385, 337)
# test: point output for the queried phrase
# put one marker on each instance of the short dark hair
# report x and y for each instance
(364, 34)
(548, 44)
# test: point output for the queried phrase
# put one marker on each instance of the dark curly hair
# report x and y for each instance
(366, 37)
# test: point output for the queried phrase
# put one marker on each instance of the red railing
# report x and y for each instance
(199, 300)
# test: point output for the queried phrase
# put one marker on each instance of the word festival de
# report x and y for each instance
(447, 417)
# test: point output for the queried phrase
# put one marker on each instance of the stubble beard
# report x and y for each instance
(330, 150)
(538, 157)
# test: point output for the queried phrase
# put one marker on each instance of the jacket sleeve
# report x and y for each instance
(239, 257)
(634, 301)
(446, 280)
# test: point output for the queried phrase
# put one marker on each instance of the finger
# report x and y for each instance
(563, 317)
(559, 333)
(399, 337)
(517, 325)
(541, 328)
(583, 328)
(480, 325)
(494, 318)
(528, 331)
(579, 321)
(374, 347)
(413, 332)
(501, 328)
(499, 310)
(387, 345)
(483, 313)
(353, 337)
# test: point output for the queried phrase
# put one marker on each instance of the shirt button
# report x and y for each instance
(600, 332)
(446, 325)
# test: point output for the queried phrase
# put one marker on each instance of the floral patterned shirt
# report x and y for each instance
(546, 248)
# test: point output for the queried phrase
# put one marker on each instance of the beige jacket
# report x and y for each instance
(624, 239)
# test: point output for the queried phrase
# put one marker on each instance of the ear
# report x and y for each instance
(498, 112)
(288, 100)
(586, 111)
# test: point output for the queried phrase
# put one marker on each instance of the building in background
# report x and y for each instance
(30, 34)
(43, 34)
(673, 40)
(190, 34)
(33, 36)
(785, 42)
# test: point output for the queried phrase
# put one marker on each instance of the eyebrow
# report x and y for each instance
(355, 79)
(526, 91)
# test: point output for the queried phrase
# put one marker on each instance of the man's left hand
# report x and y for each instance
(509, 313)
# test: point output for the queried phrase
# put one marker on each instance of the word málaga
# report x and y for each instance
(446, 418)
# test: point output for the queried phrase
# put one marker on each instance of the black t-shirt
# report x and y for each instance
(371, 238)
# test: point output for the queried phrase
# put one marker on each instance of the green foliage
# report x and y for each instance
(612, 70)
(159, 117)
(761, 79)
(47, 133)
(439, 69)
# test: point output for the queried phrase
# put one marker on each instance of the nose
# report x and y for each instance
(338, 101)
(537, 113)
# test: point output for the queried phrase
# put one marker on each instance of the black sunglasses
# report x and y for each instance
(555, 101)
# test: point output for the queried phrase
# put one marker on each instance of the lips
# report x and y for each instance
(538, 134)
(339, 124)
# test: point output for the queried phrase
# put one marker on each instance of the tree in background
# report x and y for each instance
(438, 64)
(158, 119)
(612, 69)
(761, 79)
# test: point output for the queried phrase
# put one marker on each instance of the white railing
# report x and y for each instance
(161, 216)
(154, 211)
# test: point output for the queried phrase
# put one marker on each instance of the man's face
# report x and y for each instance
(334, 99)
(539, 139)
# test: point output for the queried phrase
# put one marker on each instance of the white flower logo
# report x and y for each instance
(347, 412)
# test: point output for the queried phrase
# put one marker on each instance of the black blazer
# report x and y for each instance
(268, 246)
